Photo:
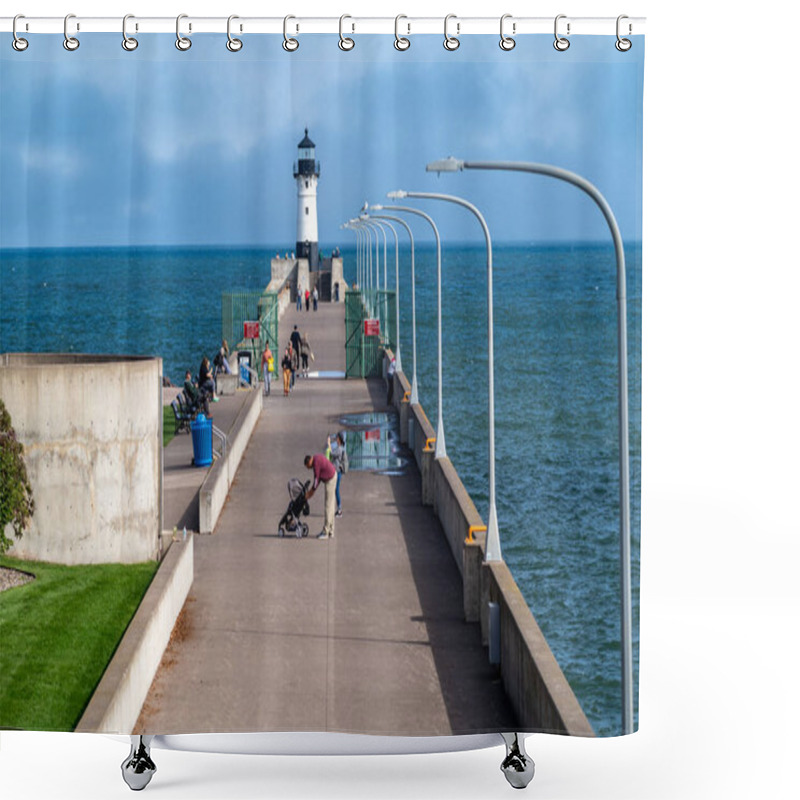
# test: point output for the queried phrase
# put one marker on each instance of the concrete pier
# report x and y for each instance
(362, 633)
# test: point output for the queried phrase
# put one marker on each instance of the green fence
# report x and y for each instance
(241, 307)
(363, 353)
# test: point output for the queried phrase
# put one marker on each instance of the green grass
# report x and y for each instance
(57, 635)
(169, 425)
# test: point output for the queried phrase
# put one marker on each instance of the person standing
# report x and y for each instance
(390, 379)
(299, 300)
(337, 455)
(308, 297)
(267, 362)
(305, 352)
(325, 472)
(316, 298)
(295, 340)
(286, 366)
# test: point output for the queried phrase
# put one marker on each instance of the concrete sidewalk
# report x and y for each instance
(363, 633)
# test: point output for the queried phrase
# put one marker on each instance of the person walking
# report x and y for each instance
(286, 366)
(315, 296)
(325, 472)
(299, 300)
(296, 344)
(308, 297)
(305, 353)
(337, 455)
(267, 363)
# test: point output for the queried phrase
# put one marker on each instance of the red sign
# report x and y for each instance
(251, 330)
(372, 436)
(372, 327)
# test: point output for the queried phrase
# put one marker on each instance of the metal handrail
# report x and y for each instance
(253, 376)
(223, 438)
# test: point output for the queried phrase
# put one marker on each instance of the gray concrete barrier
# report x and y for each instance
(534, 683)
(214, 491)
(117, 701)
(91, 428)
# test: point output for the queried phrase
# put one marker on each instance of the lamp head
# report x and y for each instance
(376, 208)
(448, 164)
(397, 195)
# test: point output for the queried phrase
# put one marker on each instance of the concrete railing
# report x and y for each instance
(214, 491)
(117, 702)
(534, 683)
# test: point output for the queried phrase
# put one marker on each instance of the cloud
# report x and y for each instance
(57, 160)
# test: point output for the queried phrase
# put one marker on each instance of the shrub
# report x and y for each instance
(16, 495)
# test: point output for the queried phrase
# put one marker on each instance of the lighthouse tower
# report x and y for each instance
(306, 173)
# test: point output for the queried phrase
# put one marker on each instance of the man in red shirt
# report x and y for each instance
(324, 471)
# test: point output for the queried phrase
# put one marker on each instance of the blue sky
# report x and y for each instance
(106, 147)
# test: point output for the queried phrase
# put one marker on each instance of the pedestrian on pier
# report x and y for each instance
(315, 296)
(286, 366)
(295, 340)
(267, 362)
(305, 353)
(299, 300)
(308, 298)
(324, 471)
(206, 380)
(390, 379)
(337, 455)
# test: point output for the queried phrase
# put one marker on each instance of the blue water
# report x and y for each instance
(556, 396)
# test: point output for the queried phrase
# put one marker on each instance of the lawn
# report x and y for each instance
(57, 635)
(169, 425)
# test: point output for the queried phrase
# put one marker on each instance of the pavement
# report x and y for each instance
(362, 633)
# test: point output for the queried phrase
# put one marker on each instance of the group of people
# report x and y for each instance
(328, 468)
(202, 392)
(295, 359)
(310, 297)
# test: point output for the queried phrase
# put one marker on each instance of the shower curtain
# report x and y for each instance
(164, 204)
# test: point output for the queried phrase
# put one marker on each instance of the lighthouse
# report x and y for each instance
(306, 173)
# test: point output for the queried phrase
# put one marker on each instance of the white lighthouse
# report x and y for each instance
(306, 173)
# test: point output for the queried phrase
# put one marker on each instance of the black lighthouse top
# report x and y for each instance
(306, 163)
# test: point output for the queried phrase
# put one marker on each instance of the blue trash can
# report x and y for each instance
(201, 441)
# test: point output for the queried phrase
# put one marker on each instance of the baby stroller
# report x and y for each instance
(290, 522)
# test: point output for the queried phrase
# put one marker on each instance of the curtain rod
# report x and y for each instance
(514, 26)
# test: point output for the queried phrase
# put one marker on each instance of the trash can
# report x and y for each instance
(245, 357)
(202, 441)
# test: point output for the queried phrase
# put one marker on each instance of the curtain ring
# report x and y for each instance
(289, 44)
(128, 42)
(450, 42)
(560, 43)
(400, 42)
(345, 43)
(233, 44)
(19, 44)
(181, 42)
(507, 42)
(623, 45)
(70, 42)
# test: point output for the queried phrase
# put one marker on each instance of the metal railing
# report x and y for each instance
(219, 434)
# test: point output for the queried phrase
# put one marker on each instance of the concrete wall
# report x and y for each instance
(214, 491)
(293, 271)
(117, 702)
(534, 683)
(91, 427)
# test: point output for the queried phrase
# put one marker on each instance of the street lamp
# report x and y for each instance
(368, 231)
(454, 165)
(350, 227)
(440, 451)
(382, 221)
(493, 550)
(414, 393)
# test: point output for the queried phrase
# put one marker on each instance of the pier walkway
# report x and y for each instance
(362, 633)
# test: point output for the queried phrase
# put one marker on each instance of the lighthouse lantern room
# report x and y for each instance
(306, 173)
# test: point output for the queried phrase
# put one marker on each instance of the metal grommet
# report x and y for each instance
(128, 42)
(400, 42)
(561, 44)
(233, 44)
(70, 42)
(623, 45)
(289, 44)
(183, 43)
(19, 44)
(345, 42)
(507, 42)
(451, 42)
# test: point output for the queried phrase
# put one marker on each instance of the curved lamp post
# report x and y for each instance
(441, 450)
(493, 550)
(455, 165)
(382, 221)
(368, 230)
(348, 226)
(414, 393)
